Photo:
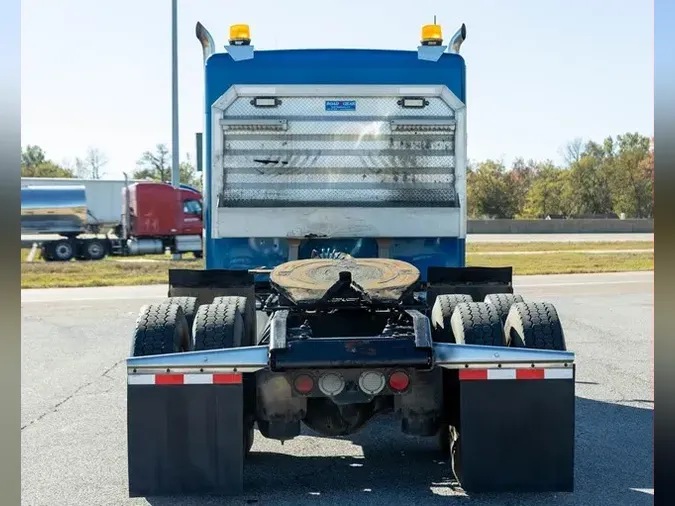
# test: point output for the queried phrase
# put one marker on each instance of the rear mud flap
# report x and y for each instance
(516, 430)
(185, 436)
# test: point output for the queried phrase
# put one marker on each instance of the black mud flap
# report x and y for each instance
(475, 281)
(185, 434)
(516, 430)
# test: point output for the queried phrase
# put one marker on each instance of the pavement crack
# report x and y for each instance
(55, 408)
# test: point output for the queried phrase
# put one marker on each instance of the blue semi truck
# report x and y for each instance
(335, 287)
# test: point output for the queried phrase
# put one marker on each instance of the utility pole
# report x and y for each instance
(175, 171)
(175, 166)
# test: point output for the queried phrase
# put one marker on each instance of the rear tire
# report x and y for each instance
(477, 323)
(503, 303)
(535, 325)
(249, 337)
(221, 325)
(189, 307)
(441, 315)
(160, 329)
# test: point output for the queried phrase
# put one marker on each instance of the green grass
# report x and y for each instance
(566, 263)
(153, 269)
(107, 272)
(486, 247)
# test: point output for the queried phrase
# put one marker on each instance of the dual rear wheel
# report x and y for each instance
(180, 324)
(500, 320)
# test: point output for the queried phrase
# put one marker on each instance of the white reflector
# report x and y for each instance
(372, 382)
(331, 384)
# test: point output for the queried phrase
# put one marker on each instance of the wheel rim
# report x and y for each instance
(63, 251)
(95, 250)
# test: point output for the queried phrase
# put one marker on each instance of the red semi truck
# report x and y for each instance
(154, 217)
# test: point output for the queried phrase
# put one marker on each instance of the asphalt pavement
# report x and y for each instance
(74, 342)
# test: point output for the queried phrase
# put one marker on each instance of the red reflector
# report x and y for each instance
(227, 379)
(529, 374)
(473, 374)
(399, 381)
(169, 379)
(304, 384)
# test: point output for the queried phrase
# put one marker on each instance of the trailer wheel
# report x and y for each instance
(160, 328)
(94, 249)
(477, 323)
(63, 251)
(535, 325)
(188, 305)
(503, 302)
(441, 314)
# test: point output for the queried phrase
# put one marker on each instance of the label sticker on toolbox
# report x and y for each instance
(340, 105)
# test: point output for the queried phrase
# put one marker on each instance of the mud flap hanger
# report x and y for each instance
(254, 358)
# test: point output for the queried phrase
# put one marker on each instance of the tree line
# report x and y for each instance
(152, 165)
(598, 179)
(608, 178)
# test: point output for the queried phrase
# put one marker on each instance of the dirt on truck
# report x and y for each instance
(335, 287)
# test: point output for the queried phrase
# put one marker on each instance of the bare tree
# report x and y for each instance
(95, 161)
(573, 151)
(91, 166)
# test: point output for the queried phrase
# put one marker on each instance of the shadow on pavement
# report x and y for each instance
(614, 454)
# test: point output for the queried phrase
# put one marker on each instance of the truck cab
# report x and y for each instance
(335, 151)
(160, 210)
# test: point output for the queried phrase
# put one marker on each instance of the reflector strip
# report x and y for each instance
(558, 373)
(227, 379)
(530, 374)
(185, 379)
(473, 374)
(515, 374)
(169, 379)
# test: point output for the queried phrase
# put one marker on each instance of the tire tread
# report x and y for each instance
(477, 323)
(160, 328)
(218, 325)
(535, 325)
(441, 315)
(188, 305)
(503, 302)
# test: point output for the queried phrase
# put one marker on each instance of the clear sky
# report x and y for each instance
(539, 73)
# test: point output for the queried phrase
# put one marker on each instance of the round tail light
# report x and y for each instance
(399, 381)
(304, 383)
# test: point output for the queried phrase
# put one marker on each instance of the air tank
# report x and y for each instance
(53, 210)
(145, 246)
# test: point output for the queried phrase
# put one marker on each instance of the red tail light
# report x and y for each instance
(304, 383)
(399, 381)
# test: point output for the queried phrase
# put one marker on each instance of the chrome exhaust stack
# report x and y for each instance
(457, 40)
(208, 46)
